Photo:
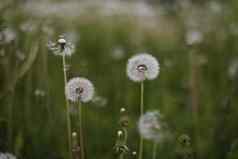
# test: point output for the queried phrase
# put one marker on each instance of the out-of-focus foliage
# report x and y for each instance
(196, 90)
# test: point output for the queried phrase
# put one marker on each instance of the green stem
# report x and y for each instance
(67, 111)
(121, 156)
(10, 121)
(141, 113)
(125, 135)
(154, 150)
(81, 131)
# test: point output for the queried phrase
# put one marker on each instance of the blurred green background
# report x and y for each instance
(196, 89)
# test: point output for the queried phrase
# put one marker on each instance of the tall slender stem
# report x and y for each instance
(154, 150)
(141, 113)
(10, 121)
(67, 110)
(81, 131)
(125, 135)
(194, 91)
(121, 156)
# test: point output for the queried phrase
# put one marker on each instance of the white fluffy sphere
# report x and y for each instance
(79, 89)
(142, 67)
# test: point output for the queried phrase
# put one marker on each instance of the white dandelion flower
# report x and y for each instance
(79, 89)
(7, 156)
(152, 127)
(142, 66)
(61, 47)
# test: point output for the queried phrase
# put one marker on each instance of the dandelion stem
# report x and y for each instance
(67, 110)
(154, 150)
(125, 135)
(141, 113)
(121, 156)
(81, 130)
(10, 121)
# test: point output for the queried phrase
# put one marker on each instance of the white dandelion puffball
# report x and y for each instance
(79, 89)
(7, 156)
(152, 127)
(142, 66)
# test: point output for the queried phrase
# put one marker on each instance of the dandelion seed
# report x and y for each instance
(79, 89)
(61, 47)
(152, 127)
(142, 66)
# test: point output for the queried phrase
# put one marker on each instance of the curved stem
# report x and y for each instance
(67, 110)
(125, 135)
(81, 131)
(141, 113)
(154, 150)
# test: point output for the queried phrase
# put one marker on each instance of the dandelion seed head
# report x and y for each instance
(61, 41)
(152, 127)
(61, 47)
(134, 153)
(142, 66)
(7, 156)
(184, 140)
(79, 89)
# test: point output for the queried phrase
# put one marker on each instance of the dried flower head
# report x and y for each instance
(61, 47)
(152, 127)
(142, 66)
(79, 89)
